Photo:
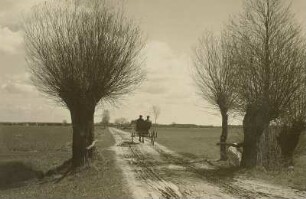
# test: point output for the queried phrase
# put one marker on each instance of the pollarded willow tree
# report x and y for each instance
(269, 65)
(212, 76)
(82, 54)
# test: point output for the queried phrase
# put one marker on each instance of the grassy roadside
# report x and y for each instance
(200, 143)
(295, 177)
(103, 180)
(196, 142)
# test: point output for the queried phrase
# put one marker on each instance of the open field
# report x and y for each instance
(41, 146)
(196, 142)
(27, 152)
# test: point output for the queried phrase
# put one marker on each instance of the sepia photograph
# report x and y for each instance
(153, 99)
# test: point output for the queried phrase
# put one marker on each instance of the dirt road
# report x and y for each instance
(157, 172)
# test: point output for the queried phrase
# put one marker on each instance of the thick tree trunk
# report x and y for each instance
(254, 124)
(288, 141)
(83, 135)
(223, 137)
(269, 155)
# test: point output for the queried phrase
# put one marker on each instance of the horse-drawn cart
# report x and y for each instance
(151, 134)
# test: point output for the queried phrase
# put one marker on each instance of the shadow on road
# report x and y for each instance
(127, 144)
(222, 173)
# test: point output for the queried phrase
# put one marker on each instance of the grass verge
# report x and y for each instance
(102, 180)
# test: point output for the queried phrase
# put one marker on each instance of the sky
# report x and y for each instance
(171, 28)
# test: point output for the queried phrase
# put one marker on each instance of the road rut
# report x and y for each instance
(157, 172)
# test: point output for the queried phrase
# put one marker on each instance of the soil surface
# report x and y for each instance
(157, 172)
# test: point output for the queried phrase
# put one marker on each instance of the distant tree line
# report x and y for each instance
(35, 123)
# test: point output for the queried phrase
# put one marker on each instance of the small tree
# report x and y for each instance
(269, 65)
(105, 118)
(156, 113)
(121, 121)
(212, 63)
(82, 54)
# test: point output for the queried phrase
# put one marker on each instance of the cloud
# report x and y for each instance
(18, 85)
(154, 89)
(12, 12)
(32, 111)
(10, 41)
(17, 88)
(168, 85)
(166, 70)
(20, 101)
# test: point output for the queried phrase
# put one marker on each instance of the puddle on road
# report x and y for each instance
(127, 143)
(171, 167)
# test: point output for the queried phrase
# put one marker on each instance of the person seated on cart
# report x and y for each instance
(140, 123)
(148, 125)
(146, 128)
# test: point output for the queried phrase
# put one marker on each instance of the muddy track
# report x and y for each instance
(212, 176)
(157, 172)
(147, 173)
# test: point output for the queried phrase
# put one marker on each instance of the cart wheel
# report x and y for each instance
(153, 138)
